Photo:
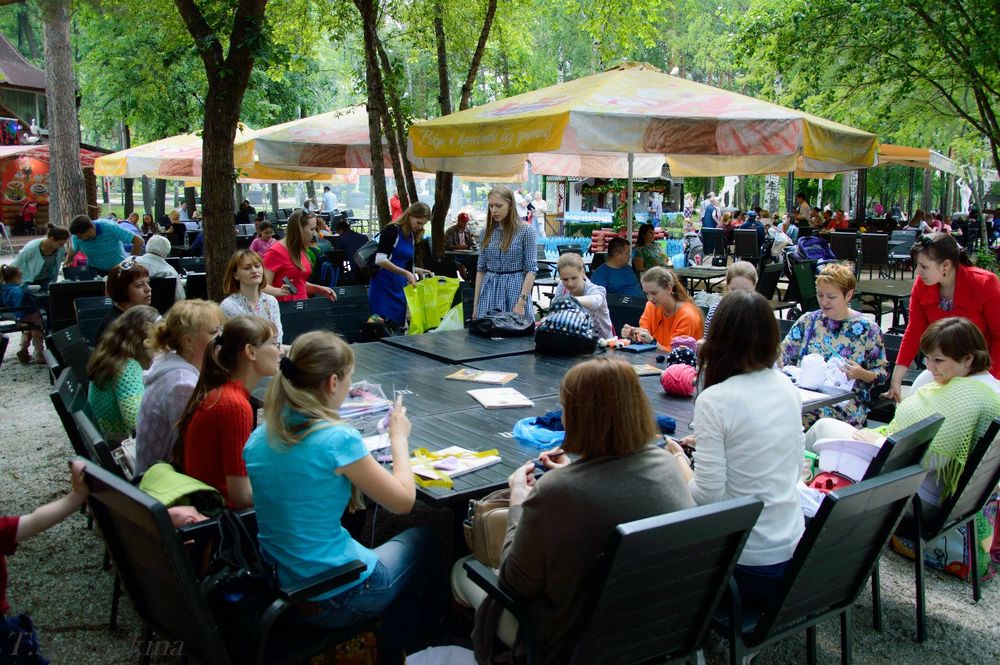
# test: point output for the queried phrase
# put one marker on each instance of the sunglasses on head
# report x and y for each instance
(125, 266)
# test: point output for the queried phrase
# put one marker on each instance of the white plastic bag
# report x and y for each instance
(450, 655)
(453, 320)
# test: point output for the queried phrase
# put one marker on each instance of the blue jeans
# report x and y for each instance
(757, 583)
(402, 590)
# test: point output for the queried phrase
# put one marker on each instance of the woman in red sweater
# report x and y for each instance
(287, 259)
(947, 284)
(218, 418)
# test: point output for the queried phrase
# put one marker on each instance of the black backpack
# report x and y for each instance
(567, 330)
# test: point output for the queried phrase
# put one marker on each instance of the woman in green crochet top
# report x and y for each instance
(115, 371)
(957, 358)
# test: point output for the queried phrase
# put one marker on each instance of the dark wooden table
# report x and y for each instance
(703, 274)
(897, 291)
(458, 346)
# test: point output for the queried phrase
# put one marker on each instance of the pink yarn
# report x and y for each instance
(684, 340)
(679, 380)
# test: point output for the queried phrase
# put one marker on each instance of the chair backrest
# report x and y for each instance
(540, 252)
(784, 326)
(569, 249)
(625, 309)
(839, 548)
(89, 314)
(467, 293)
(874, 248)
(80, 274)
(153, 566)
(196, 285)
(891, 343)
(61, 298)
(175, 263)
(844, 246)
(164, 292)
(193, 263)
(600, 258)
(661, 580)
(976, 484)
(301, 316)
(746, 245)
(68, 396)
(804, 275)
(713, 241)
(60, 339)
(906, 447)
(805, 231)
(98, 450)
(350, 311)
(767, 279)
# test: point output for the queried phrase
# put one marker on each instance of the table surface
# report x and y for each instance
(889, 288)
(700, 272)
(458, 346)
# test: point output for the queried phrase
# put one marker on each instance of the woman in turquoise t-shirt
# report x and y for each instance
(302, 463)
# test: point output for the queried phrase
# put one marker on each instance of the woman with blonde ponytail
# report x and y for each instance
(218, 418)
(302, 463)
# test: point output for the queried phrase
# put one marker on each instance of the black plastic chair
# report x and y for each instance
(746, 247)
(161, 582)
(175, 263)
(975, 486)
(301, 316)
(767, 279)
(625, 310)
(193, 264)
(90, 312)
(196, 286)
(569, 249)
(600, 258)
(713, 242)
(164, 293)
(69, 396)
(844, 246)
(830, 565)
(875, 253)
(350, 311)
(81, 274)
(656, 587)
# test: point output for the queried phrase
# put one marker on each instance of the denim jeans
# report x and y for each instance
(404, 590)
(757, 583)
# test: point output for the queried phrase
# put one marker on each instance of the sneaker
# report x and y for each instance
(23, 357)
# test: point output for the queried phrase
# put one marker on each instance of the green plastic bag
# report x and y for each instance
(429, 301)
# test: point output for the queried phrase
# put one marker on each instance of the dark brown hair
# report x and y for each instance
(57, 233)
(957, 338)
(605, 411)
(745, 316)
(121, 277)
(640, 238)
(940, 247)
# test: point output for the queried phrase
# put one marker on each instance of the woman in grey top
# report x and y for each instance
(559, 524)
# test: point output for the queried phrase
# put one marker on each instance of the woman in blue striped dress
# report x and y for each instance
(507, 262)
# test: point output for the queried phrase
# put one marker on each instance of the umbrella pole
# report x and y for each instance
(628, 204)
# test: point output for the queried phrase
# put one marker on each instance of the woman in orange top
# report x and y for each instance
(669, 312)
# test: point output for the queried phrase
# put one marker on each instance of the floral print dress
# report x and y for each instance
(856, 338)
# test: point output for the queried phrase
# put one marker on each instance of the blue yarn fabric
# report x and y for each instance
(666, 424)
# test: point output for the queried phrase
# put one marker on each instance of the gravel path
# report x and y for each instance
(57, 576)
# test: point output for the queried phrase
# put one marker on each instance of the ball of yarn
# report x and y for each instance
(684, 341)
(679, 380)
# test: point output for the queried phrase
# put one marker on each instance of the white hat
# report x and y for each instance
(846, 456)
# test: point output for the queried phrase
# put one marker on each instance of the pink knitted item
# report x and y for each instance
(684, 340)
(679, 380)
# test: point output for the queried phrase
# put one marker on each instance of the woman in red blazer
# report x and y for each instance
(947, 284)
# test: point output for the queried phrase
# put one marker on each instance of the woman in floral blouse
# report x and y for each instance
(837, 330)
(648, 253)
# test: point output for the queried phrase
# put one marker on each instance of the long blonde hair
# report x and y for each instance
(509, 225)
(185, 317)
(300, 387)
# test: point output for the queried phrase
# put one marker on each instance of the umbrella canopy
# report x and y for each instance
(697, 129)
(179, 158)
(41, 153)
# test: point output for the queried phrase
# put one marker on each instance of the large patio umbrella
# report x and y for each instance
(637, 112)
(179, 158)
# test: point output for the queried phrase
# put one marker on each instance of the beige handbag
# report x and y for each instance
(485, 526)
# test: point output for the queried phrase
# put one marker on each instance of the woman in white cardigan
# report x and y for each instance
(39, 260)
(748, 423)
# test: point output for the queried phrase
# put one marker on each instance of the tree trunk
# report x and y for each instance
(368, 11)
(24, 28)
(128, 191)
(274, 198)
(228, 76)
(237, 195)
(408, 188)
(159, 199)
(147, 195)
(926, 195)
(444, 181)
(69, 197)
(189, 201)
(310, 190)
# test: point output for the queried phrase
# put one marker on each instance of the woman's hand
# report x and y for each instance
(855, 371)
(410, 277)
(868, 436)
(895, 391)
(520, 483)
(327, 292)
(399, 424)
(554, 459)
(77, 481)
(519, 307)
(423, 272)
